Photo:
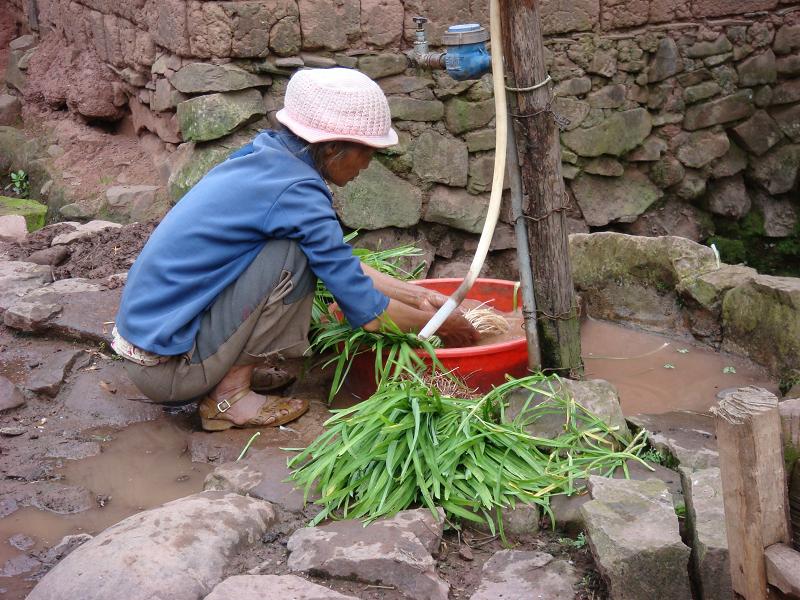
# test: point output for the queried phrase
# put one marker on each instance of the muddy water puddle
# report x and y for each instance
(656, 374)
(138, 468)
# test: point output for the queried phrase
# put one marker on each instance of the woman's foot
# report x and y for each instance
(248, 409)
(233, 404)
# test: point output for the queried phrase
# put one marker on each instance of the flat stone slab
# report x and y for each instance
(597, 396)
(705, 515)
(82, 231)
(518, 575)
(87, 308)
(633, 534)
(394, 551)
(567, 509)
(91, 394)
(178, 551)
(272, 587)
(686, 435)
(48, 378)
(17, 278)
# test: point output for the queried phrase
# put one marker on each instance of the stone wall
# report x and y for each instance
(684, 114)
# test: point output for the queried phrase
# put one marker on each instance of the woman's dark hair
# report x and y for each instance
(322, 153)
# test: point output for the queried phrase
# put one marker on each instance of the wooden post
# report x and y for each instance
(753, 484)
(544, 199)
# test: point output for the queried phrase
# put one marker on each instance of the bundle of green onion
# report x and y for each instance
(410, 445)
(394, 349)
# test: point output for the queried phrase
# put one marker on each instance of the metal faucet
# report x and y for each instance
(421, 54)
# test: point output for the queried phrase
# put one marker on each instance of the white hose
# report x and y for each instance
(493, 212)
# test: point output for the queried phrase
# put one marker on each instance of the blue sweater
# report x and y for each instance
(267, 190)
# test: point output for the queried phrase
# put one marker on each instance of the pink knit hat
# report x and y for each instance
(337, 104)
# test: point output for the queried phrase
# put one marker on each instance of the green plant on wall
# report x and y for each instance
(19, 183)
(745, 242)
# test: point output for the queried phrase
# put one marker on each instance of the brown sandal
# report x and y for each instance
(268, 379)
(269, 415)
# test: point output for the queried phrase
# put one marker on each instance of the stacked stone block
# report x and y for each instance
(683, 114)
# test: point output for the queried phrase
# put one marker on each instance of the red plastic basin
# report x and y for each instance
(482, 367)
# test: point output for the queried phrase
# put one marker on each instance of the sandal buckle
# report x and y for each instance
(223, 406)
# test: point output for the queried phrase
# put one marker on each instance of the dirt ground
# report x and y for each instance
(104, 253)
(96, 404)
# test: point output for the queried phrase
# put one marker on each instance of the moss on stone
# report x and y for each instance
(34, 212)
(744, 241)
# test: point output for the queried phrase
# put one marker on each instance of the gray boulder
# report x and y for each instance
(17, 278)
(605, 200)
(633, 534)
(616, 135)
(520, 575)
(687, 436)
(394, 551)
(272, 587)
(378, 198)
(187, 542)
(214, 116)
(200, 78)
(705, 516)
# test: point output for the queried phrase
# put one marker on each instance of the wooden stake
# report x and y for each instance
(753, 484)
(544, 199)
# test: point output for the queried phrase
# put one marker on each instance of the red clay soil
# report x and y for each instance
(8, 31)
(102, 254)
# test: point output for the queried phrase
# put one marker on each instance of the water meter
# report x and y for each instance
(466, 57)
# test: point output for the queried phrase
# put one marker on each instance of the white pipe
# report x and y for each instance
(493, 212)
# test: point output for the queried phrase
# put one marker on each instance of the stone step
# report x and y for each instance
(633, 534)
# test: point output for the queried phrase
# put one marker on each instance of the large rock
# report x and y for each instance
(599, 397)
(574, 110)
(269, 587)
(201, 78)
(394, 551)
(605, 200)
(382, 65)
(761, 319)
(703, 49)
(758, 70)
(48, 378)
(33, 212)
(788, 119)
(188, 542)
(633, 533)
(728, 197)
(133, 200)
(582, 15)
(616, 135)
(776, 171)
(701, 147)
(722, 110)
(84, 230)
(381, 22)
(787, 39)
(80, 309)
(378, 198)
(440, 158)
(29, 316)
(192, 160)
(10, 108)
(672, 218)
(705, 517)
(13, 228)
(779, 214)
(632, 279)
(457, 208)
(164, 125)
(411, 109)
(686, 436)
(519, 575)
(214, 116)
(734, 161)
(10, 396)
(759, 133)
(666, 62)
(786, 92)
(19, 278)
(461, 115)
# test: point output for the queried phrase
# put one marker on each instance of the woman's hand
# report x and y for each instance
(457, 332)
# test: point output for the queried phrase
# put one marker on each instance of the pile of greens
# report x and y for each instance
(409, 445)
(395, 351)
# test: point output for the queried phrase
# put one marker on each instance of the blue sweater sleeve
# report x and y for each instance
(307, 216)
